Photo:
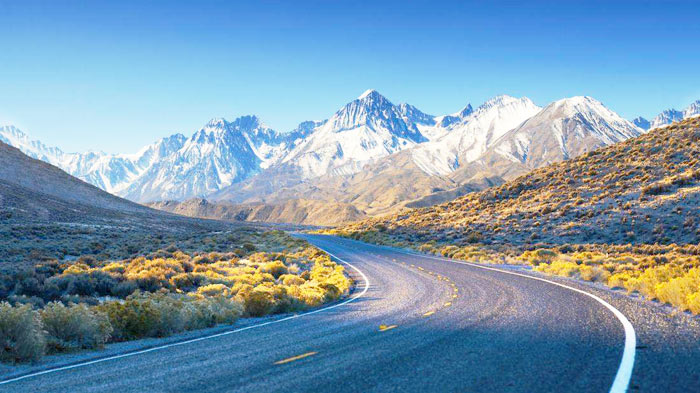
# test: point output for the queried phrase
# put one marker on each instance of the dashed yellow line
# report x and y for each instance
(429, 313)
(384, 328)
(293, 358)
(448, 304)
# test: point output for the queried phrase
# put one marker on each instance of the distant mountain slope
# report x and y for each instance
(564, 129)
(296, 211)
(503, 138)
(40, 201)
(20, 171)
(110, 172)
(371, 153)
(669, 116)
(215, 156)
(366, 129)
(467, 138)
(643, 190)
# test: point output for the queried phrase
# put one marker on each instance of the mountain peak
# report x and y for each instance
(367, 93)
(502, 100)
(641, 123)
(217, 122)
(468, 110)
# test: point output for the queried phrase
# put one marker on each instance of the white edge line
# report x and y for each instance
(624, 371)
(153, 349)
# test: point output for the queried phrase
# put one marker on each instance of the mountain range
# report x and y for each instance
(371, 154)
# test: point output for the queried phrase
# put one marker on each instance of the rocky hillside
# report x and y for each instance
(296, 211)
(643, 190)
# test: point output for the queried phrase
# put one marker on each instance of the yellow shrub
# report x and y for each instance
(677, 290)
(213, 290)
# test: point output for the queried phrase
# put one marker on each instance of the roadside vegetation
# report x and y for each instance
(626, 216)
(56, 306)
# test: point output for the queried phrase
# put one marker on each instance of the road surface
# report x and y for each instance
(416, 324)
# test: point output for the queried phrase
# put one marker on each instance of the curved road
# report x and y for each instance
(422, 324)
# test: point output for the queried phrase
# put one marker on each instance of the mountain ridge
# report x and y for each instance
(402, 153)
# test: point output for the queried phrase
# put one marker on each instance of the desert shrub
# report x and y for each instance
(219, 310)
(124, 289)
(276, 268)
(694, 302)
(74, 327)
(258, 303)
(291, 279)
(539, 256)
(166, 291)
(21, 335)
(132, 319)
(160, 315)
(213, 290)
(676, 291)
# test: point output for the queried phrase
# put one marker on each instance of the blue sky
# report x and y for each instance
(114, 76)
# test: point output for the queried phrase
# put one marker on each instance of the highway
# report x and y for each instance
(415, 324)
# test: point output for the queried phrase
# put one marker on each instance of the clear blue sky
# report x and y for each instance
(114, 76)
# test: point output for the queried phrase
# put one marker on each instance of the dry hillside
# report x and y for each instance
(296, 211)
(644, 190)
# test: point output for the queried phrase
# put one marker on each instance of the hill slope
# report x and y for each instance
(25, 181)
(643, 190)
(297, 211)
(45, 213)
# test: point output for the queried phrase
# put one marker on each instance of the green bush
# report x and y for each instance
(21, 336)
(76, 326)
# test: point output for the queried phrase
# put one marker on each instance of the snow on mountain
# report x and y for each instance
(447, 120)
(364, 130)
(692, 110)
(562, 130)
(219, 154)
(669, 116)
(642, 123)
(13, 136)
(111, 172)
(470, 133)
(666, 117)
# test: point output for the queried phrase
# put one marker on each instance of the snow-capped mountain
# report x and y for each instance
(218, 155)
(370, 136)
(111, 172)
(175, 167)
(368, 128)
(642, 123)
(562, 130)
(13, 136)
(666, 117)
(669, 116)
(469, 133)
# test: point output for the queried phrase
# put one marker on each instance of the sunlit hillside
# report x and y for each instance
(644, 190)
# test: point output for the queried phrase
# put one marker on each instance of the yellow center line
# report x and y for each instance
(454, 296)
(429, 313)
(383, 328)
(448, 304)
(293, 358)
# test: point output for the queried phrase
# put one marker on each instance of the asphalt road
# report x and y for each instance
(422, 324)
